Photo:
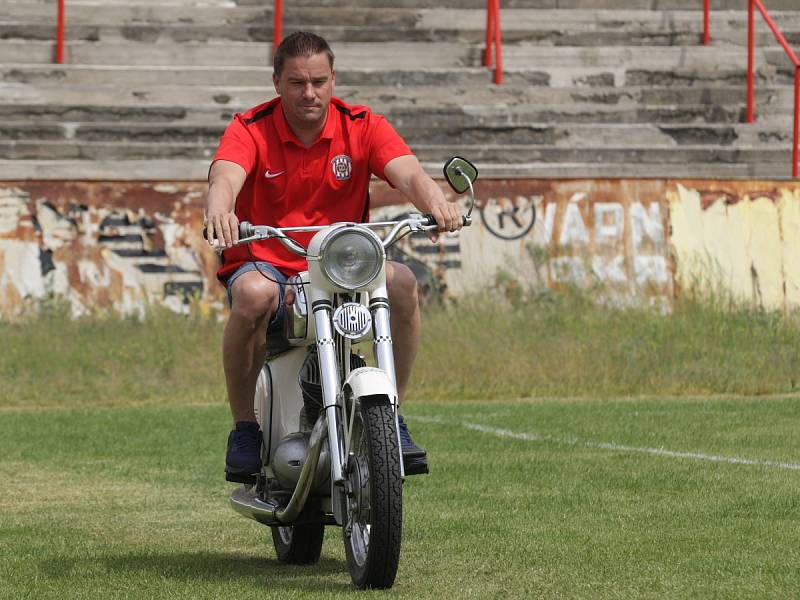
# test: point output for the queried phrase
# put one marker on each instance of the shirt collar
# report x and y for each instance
(287, 135)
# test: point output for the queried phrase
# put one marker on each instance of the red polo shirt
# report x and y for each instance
(289, 185)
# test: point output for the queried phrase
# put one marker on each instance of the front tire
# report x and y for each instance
(298, 544)
(374, 525)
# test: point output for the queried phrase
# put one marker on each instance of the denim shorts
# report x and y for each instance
(276, 324)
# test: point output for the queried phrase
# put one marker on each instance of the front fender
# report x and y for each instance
(369, 381)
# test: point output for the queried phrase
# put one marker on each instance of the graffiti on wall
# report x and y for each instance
(120, 245)
(101, 246)
(604, 235)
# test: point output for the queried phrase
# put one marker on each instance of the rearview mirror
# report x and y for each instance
(459, 173)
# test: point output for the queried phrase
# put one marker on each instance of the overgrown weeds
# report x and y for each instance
(565, 344)
(104, 358)
(528, 344)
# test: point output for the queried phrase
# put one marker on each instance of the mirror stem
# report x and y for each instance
(460, 172)
(471, 191)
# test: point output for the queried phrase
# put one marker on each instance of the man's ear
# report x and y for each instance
(333, 78)
(275, 82)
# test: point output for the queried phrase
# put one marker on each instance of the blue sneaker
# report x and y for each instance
(415, 459)
(243, 461)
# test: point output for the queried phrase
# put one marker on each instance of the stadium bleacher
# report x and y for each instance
(590, 90)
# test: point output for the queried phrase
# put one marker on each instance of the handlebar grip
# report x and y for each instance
(429, 220)
(245, 230)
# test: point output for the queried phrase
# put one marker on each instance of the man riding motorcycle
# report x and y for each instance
(304, 158)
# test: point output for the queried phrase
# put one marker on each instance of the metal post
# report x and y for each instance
(60, 33)
(796, 120)
(750, 60)
(706, 25)
(498, 45)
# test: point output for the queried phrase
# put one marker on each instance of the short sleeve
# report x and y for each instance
(237, 145)
(385, 145)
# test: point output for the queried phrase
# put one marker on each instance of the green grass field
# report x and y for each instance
(653, 457)
(544, 499)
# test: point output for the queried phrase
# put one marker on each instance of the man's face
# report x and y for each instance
(305, 86)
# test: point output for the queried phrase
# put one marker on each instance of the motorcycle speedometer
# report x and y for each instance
(351, 257)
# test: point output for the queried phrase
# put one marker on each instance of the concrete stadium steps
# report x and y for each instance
(25, 21)
(610, 135)
(154, 76)
(398, 55)
(590, 89)
(655, 5)
(504, 154)
(701, 76)
(432, 118)
(464, 99)
(230, 53)
(197, 169)
(100, 14)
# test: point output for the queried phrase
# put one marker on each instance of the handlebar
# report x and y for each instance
(430, 221)
(252, 233)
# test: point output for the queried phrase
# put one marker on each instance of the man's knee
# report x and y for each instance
(402, 284)
(254, 297)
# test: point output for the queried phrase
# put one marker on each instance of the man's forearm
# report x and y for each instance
(424, 193)
(224, 184)
(407, 175)
(221, 198)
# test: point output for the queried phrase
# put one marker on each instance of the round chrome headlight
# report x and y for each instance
(351, 257)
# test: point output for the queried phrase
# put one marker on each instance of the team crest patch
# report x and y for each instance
(342, 167)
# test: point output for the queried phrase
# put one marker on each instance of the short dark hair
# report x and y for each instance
(300, 43)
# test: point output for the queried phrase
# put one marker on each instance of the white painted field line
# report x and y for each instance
(533, 437)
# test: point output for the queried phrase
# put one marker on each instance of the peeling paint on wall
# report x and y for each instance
(120, 245)
(606, 235)
(743, 240)
(106, 246)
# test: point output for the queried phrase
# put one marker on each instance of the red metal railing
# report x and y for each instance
(751, 102)
(60, 33)
(494, 38)
(60, 21)
(751, 6)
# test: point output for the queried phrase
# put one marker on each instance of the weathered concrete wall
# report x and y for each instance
(609, 235)
(119, 245)
(743, 240)
(103, 245)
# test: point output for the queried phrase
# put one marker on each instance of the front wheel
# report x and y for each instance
(298, 544)
(375, 500)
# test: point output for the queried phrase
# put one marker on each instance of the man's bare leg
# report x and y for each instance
(405, 321)
(406, 328)
(255, 300)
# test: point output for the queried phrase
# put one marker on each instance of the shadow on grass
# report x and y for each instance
(209, 566)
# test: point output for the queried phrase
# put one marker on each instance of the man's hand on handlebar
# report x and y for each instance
(448, 218)
(222, 230)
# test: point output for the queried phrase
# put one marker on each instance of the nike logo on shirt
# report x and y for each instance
(269, 175)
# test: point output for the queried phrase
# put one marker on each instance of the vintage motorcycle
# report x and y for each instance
(331, 452)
